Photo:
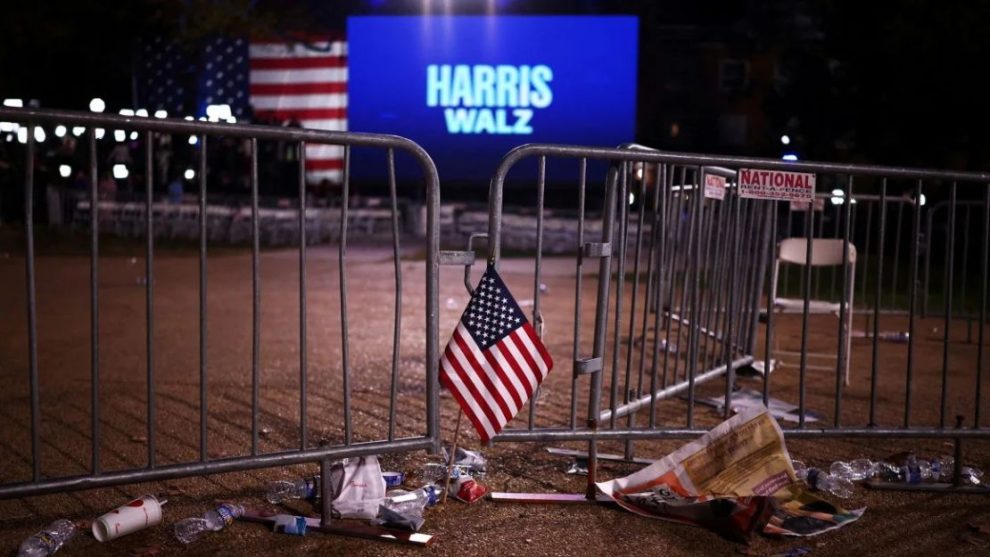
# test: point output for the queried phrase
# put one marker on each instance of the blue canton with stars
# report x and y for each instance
(492, 313)
(224, 76)
(184, 80)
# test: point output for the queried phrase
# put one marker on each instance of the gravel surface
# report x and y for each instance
(894, 523)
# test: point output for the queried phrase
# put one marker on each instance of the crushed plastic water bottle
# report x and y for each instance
(189, 530)
(49, 540)
(285, 490)
(972, 475)
(436, 472)
(470, 462)
(412, 502)
(823, 481)
(914, 470)
(854, 470)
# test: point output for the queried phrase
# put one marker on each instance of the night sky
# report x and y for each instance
(885, 82)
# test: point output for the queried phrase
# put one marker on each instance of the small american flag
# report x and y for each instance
(494, 361)
(306, 83)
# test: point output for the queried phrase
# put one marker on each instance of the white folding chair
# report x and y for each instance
(825, 252)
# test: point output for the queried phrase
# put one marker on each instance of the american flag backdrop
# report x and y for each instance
(285, 83)
(308, 84)
(494, 361)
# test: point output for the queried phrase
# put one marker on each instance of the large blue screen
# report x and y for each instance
(470, 88)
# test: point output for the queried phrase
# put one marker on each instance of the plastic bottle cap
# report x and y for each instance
(393, 479)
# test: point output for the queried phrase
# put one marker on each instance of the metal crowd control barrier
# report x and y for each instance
(306, 451)
(896, 210)
(701, 266)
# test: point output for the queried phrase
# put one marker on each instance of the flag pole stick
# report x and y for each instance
(450, 457)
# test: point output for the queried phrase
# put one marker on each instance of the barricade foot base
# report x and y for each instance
(929, 487)
(544, 498)
(348, 528)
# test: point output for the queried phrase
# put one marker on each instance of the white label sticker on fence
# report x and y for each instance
(775, 184)
(803, 205)
(714, 186)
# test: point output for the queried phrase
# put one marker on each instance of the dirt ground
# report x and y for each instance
(894, 523)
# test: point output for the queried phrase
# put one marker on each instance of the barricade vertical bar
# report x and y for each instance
(963, 272)
(342, 256)
(928, 257)
(747, 268)
(398, 295)
(659, 231)
(303, 368)
(947, 294)
(537, 315)
(582, 178)
(757, 280)
(203, 375)
(722, 304)
(632, 309)
(866, 256)
(632, 304)
(844, 326)
(897, 253)
(912, 301)
(704, 315)
(874, 371)
(787, 234)
(255, 300)
(694, 330)
(732, 250)
(821, 234)
(31, 308)
(94, 302)
(601, 323)
(684, 273)
(623, 208)
(804, 316)
(983, 306)
(767, 344)
(743, 222)
(326, 493)
(669, 263)
(149, 260)
(747, 223)
(760, 276)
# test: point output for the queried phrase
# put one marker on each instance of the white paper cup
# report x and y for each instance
(138, 514)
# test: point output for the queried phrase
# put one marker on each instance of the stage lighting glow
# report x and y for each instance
(219, 112)
(100, 133)
(14, 103)
(134, 136)
(78, 130)
(64, 170)
(141, 112)
(161, 114)
(785, 139)
(791, 157)
(126, 112)
(60, 131)
(193, 140)
(189, 174)
(119, 135)
(97, 105)
(120, 171)
(39, 134)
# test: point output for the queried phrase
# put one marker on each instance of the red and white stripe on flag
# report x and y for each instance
(494, 361)
(307, 83)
